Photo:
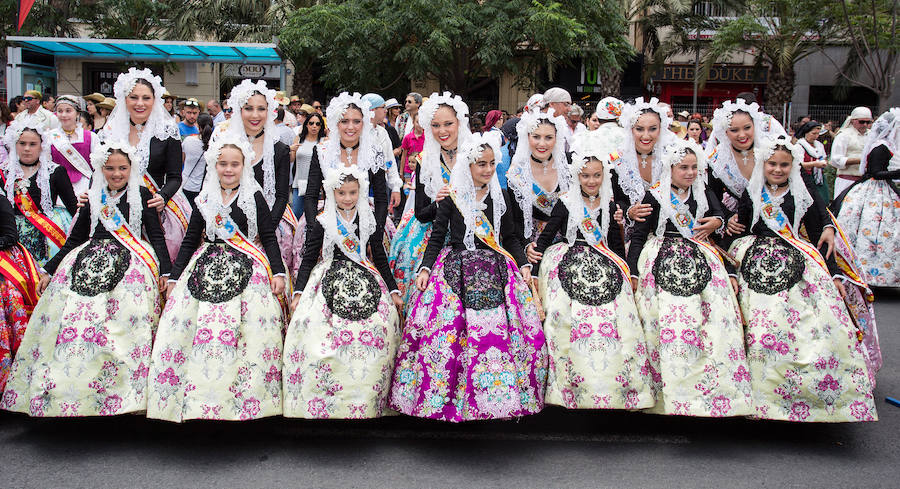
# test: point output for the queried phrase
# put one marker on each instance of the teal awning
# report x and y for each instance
(138, 50)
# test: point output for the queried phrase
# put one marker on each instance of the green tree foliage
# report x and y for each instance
(371, 45)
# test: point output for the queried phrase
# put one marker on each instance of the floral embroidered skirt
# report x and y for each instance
(217, 353)
(806, 363)
(340, 346)
(172, 227)
(86, 351)
(596, 345)
(41, 248)
(297, 247)
(14, 316)
(693, 329)
(406, 253)
(286, 236)
(472, 346)
(870, 215)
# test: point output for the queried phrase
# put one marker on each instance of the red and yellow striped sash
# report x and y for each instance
(25, 279)
(171, 204)
(37, 218)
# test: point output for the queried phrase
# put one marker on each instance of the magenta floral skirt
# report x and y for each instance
(472, 347)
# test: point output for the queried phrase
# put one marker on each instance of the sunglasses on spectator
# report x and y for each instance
(864, 122)
(317, 107)
(313, 123)
(191, 103)
(27, 99)
(227, 111)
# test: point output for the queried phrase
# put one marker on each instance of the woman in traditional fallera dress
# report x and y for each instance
(340, 346)
(472, 345)
(445, 119)
(140, 118)
(685, 297)
(254, 121)
(217, 353)
(598, 354)
(87, 348)
(71, 144)
(806, 361)
(19, 277)
(33, 183)
(538, 173)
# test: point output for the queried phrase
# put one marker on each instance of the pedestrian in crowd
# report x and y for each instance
(410, 148)
(814, 158)
(695, 132)
(34, 110)
(385, 144)
(71, 144)
(312, 133)
(294, 105)
(16, 105)
(90, 106)
(412, 103)
(6, 118)
(189, 112)
(393, 112)
(284, 133)
(48, 101)
(573, 119)
(169, 103)
(215, 110)
(104, 109)
(317, 106)
(847, 148)
(227, 111)
(193, 168)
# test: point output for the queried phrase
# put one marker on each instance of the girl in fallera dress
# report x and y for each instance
(472, 345)
(71, 145)
(685, 296)
(140, 119)
(254, 122)
(33, 184)
(87, 347)
(807, 362)
(598, 354)
(538, 173)
(19, 277)
(340, 346)
(217, 353)
(445, 119)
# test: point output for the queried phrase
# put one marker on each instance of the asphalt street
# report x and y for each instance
(556, 448)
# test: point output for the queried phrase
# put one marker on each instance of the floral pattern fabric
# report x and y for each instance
(41, 248)
(406, 253)
(87, 355)
(870, 215)
(806, 363)
(218, 360)
(13, 318)
(598, 354)
(338, 363)
(697, 361)
(465, 357)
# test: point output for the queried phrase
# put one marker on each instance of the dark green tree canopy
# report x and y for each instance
(371, 45)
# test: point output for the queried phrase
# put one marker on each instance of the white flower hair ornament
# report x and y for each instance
(723, 115)
(628, 166)
(160, 124)
(332, 179)
(13, 171)
(631, 112)
(209, 201)
(765, 148)
(430, 168)
(464, 186)
(99, 185)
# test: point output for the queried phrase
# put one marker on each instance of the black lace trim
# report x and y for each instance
(220, 274)
(478, 277)
(680, 268)
(589, 277)
(350, 290)
(771, 265)
(99, 267)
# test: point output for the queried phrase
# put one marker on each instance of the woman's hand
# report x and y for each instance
(42, 285)
(161, 284)
(294, 301)
(82, 199)
(422, 280)
(157, 202)
(525, 270)
(278, 285)
(841, 289)
(533, 256)
(827, 238)
(734, 285)
(395, 201)
(619, 216)
(707, 226)
(169, 287)
(638, 212)
(734, 227)
(634, 284)
(398, 301)
(443, 192)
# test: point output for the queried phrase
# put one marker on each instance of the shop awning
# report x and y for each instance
(138, 50)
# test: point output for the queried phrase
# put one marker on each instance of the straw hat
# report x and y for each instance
(108, 103)
(95, 97)
(282, 98)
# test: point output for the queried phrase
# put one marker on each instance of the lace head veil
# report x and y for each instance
(209, 200)
(627, 166)
(100, 186)
(464, 187)
(13, 171)
(765, 147)
(430, 171)
(334, 178)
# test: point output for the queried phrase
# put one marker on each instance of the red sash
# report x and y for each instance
(38, 219)
(171, 204)
(25, 279)
(123, 235)
(242, 244)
